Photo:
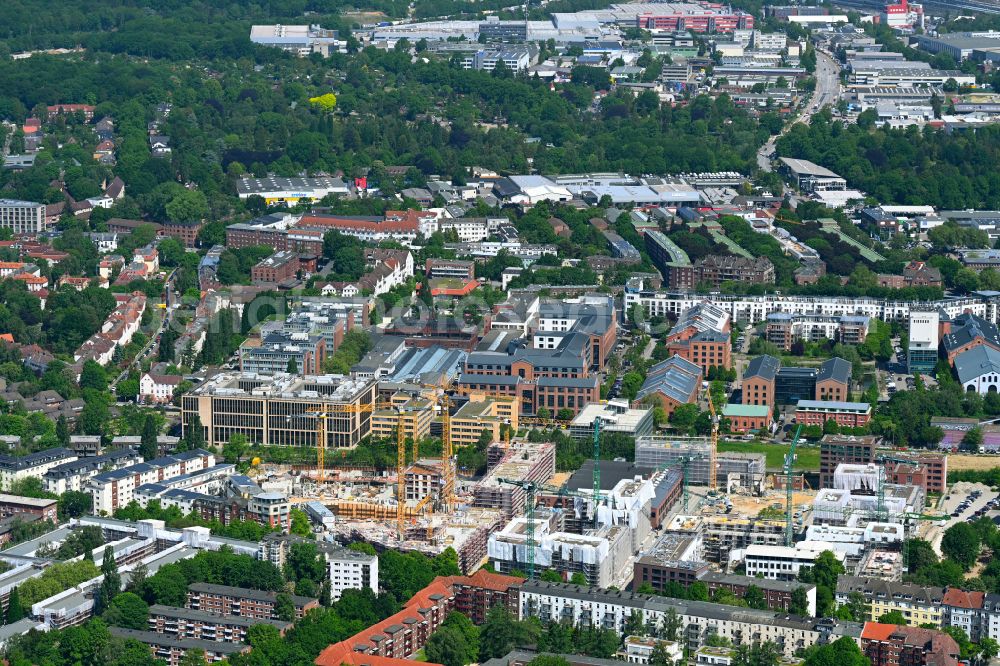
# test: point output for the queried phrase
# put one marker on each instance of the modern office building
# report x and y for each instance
(279, 351)
(276, 410)
(22, 217)
(781, 562)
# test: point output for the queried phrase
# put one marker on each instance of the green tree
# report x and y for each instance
(841, 652)
(93, 376)
(62, 431)
(15, 611)
(893, 617)
(578, 579)
(961, 544)
(148, 445)
(799, 602)
(754, 597)
(293, 367)
(300, 523)
(128, 610)
(284, 608)
(188, 206)
(194, 434)
(111, 586)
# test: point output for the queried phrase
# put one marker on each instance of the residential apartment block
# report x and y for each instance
(583, 606)
(278, 351)
(114, 489)
(172, 650)
(241, 601)
(16, 468)
(715, 269)
(891, 645)
(75, 474)
(188, 623)
(702, 336)
(22, 217)
(783, 328)
(483, 413)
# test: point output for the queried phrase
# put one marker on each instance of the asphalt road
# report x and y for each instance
(827, 92)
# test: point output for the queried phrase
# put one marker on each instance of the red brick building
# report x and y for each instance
(845, 414)
(402, 635)
(185, 232)
(280, 266)
(892, 645)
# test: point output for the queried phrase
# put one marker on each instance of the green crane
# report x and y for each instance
(881, 514)
(531, 490)
(789, 464)
(597, 465)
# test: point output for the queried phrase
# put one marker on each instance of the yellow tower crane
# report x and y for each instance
(328, 411)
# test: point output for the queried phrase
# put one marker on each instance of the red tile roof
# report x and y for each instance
(954, 596)
(876, 631)
(345, 652)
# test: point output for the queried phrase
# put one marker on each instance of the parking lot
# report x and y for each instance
(965, 503)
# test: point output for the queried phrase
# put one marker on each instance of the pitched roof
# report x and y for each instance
(676, 378)
(967, 328)
(765, 366)
(959, 598)
(836, 369)
(977, 362)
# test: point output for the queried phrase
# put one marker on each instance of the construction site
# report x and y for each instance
(678, 507)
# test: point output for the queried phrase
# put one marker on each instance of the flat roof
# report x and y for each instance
(807, 168)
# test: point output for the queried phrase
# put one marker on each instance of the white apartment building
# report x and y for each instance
(347, 569)
(13, 469)
(472, 229)
(115, 489)
(351, 570)
(583, 606)
(755, 309)
(22, 217)
(782, 562)
(639, 650)
(74, 475)
(157, 388)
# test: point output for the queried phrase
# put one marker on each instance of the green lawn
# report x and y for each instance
(807, 457)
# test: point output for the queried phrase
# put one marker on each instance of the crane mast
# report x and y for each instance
(789, 464)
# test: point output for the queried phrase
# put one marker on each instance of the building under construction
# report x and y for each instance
(601, 555)
(466, 530)
(657, 451)
(724, 534)
(524, 461)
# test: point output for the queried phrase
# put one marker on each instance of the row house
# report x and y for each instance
(116, 331)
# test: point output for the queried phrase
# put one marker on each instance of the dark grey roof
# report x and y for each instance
(762, 583)
(676, 377)
(244, 593)
(976, 362)
(158, 610)
(967, 328)
(496, 380)
(166, 640)
(612, 471)
(836, 369)
(570, 382)
(765, 366)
